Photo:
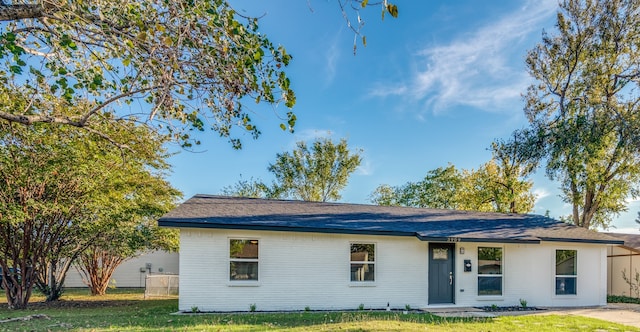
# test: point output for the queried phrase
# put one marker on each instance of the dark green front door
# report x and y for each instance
(441, 277)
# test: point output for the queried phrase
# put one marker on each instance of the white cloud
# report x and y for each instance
(475, 69)
(365, 168)
(332, 56)
(541, 193)
(308, 135)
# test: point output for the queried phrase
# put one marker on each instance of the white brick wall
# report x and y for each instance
(529, 274)
(297, 270)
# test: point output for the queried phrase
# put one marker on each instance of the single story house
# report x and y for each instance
(237, 253)
(625, 259)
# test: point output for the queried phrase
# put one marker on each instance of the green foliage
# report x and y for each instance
(361, 306)
(63, 189)
(583, 111)
(523, 303)
(316, 173)
(252, 307)
(125, 310)
(622, 299)
(495, 186)
(177, 66)
(247, 188)
(191, 65)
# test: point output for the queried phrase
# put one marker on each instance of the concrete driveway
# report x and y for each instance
(621, 313)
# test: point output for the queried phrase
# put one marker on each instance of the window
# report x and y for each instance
(363, 260)
(243, 259)
(489, 271)
(566, 272)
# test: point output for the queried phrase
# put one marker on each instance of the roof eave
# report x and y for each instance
(198, 224)
(472, 239)
(573, 240)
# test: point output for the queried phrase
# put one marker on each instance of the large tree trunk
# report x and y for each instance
(50, 280)
(20, 11)
(17, 284)
(97, 266)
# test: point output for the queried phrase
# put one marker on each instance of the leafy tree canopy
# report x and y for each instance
(493, 187)
(175, 65)
(309, 173)
(61, 189)
(584, 109)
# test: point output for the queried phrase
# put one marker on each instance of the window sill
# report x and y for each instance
(243, 284)
(489, 298)
(362, 284)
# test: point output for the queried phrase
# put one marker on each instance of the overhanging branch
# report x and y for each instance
(20, 11)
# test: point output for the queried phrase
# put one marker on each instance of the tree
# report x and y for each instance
(136, 198)
(511, 190)
(58, 188)
(493, 187)
(248, 188)
(124, 241)
(438, 190)
(584, 110)
(317, 173)
(176, 65)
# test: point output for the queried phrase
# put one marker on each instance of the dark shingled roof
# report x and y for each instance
(631, 241)
(206, 211)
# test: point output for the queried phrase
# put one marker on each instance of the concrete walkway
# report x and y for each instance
(621, 313)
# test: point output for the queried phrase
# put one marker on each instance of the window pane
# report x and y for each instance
(489, 260)
(440, 254)
(247, 249)
(566, 285)
(362, 272)
(363, 252)
(566, 262)
(243, 271)
(489, 285)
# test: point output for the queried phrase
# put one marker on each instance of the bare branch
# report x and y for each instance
(20, 11)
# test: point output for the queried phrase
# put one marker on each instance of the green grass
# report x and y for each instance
(126, 310)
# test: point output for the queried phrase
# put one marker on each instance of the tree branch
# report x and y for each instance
(20, 11)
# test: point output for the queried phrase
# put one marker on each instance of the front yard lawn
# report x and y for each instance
(126, 310)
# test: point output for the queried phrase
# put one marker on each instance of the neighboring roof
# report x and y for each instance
(206, 211)
(631, 241)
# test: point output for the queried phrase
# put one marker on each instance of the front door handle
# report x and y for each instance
(450, 278)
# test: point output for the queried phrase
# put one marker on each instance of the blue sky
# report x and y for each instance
(433, 87)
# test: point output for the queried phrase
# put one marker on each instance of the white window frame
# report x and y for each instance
(556, 276)
(479, 275)
(247, 282)
(373, 263)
